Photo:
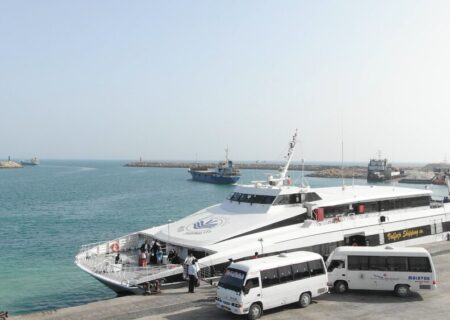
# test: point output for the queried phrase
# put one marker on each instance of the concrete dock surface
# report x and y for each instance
(177, 304)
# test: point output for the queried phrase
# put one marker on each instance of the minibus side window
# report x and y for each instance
(377, 263)
(269, 277)
(397, 263)
(316, 267)
(358, 263)
(300, 271)
(339, 264)
(285, 274)
(419, 264)
(251, 283)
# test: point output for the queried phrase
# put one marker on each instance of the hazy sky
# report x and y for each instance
(172, 79)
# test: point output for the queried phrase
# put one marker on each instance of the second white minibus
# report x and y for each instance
(251, 286)
(381, 268)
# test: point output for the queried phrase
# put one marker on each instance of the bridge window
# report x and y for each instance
(251, 198)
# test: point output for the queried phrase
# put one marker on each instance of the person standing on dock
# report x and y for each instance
(186, 264)
(193, 275)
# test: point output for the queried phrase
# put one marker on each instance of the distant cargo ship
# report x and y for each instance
(32, 162)
(380, 170)
(224, 173)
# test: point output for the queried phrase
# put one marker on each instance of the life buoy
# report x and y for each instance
(115, 247)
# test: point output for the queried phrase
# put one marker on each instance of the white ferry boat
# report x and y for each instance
(270, 217)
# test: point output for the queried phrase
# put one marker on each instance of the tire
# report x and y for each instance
(401, 290)
(254, 312)
(340, 286)
(305, 300)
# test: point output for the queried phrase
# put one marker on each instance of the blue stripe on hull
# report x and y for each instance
(197, 176)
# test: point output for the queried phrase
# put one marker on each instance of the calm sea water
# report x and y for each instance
(48, 212)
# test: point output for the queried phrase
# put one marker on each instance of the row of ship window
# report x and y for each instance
(377, 263)
(379, 206)
(295, 198)
(293, 272)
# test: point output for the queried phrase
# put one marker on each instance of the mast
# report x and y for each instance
(226, 154)
(289, 155)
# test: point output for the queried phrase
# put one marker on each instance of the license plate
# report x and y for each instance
(225, 308)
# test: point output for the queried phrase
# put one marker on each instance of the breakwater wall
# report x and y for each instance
(10, 165)
(239, 165)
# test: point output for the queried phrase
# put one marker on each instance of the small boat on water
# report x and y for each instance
(32, 162)
(224, 173)
(380, 170)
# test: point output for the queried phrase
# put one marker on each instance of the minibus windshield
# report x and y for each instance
(233, 279)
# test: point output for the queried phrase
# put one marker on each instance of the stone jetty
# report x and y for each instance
(10, 165)
(330, 169)
(348, 172)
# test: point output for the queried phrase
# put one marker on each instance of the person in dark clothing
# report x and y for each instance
(154, 250)
(117, 260)
(173, 257)
(145, 247)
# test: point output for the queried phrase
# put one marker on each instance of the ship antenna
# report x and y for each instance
(226, 154)
(289, 156)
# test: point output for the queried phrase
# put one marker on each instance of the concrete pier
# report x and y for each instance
(328, 171)
(177, 304)
(10, 165)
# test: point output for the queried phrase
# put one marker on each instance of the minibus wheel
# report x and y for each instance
(255, 311)
(340, 286)
(305, 300)
(401, 290)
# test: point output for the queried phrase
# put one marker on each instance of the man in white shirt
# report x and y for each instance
(193, 275)
(186, 264)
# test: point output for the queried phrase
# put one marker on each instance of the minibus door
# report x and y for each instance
(251, 292)
(359, 277)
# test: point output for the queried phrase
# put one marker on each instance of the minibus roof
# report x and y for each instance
(281, 259)
(381, 251)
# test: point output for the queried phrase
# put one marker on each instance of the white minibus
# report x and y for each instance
(251, 286)
(381, 268)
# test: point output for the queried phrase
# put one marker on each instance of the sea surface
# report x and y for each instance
(47, 212)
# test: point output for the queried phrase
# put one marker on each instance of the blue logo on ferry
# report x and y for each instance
(208, 224)
(205, 224)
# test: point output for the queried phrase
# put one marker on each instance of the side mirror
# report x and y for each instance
(245, 290)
